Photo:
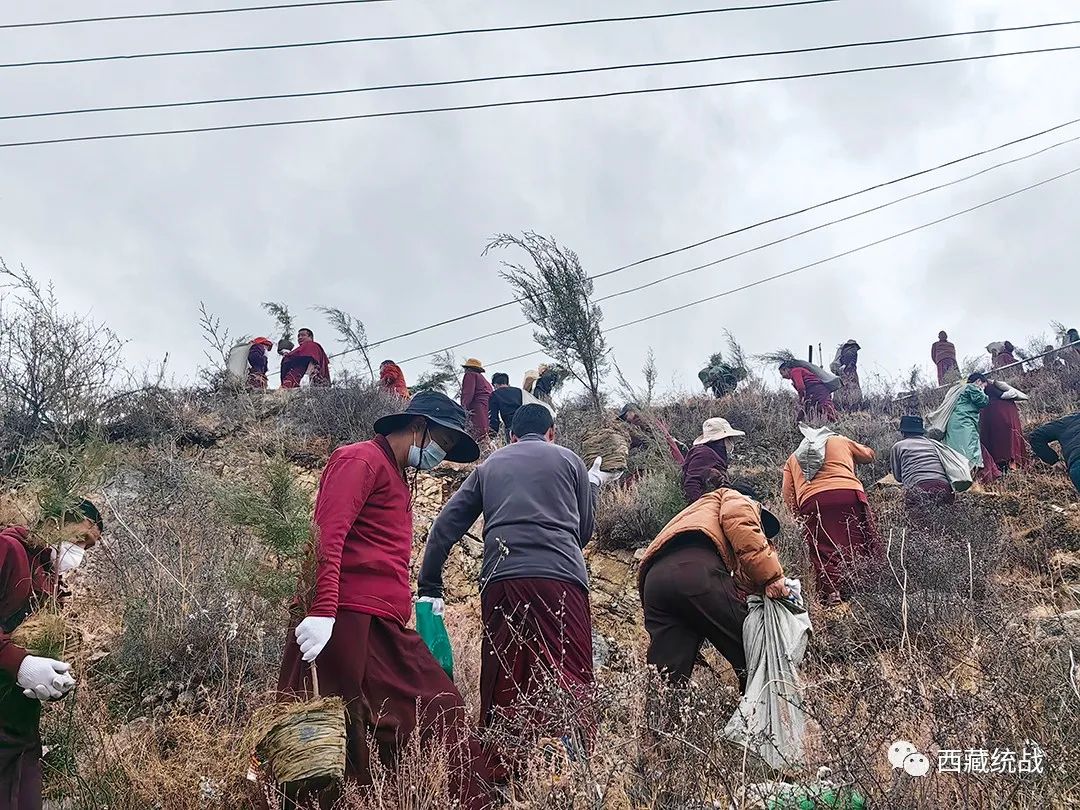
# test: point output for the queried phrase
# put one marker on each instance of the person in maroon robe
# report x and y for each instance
(815, 399)
(1005, 356)
(1001, 433)
(258, 363)
(308, 356)
(355, 623)
(392, 379)
(476, 399)
(29, 575)
(943, 353)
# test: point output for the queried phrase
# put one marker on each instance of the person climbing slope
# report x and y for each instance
(823, 490)
(356, 625)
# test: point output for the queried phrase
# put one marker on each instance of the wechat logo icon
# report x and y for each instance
(905, 756)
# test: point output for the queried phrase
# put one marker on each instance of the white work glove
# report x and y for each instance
(312, 634)
(795, 586)
(437, 604)
(44, 678)
(599, 477)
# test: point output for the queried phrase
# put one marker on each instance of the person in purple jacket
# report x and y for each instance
(706, 465)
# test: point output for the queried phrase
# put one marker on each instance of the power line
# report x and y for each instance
(772, 243)
(733, 232)
(536, 75)
(157, 15)
(523, 102)
(818, 263)
(424, 35)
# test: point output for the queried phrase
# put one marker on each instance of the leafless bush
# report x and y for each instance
(342, 413)
(632, 514)
(56, 369)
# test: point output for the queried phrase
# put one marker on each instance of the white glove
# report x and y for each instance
(437, 604)
(44, 678)
(312, 634)
(599, 477)
(795, 586)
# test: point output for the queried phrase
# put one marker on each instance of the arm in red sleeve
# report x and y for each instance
(14, 593)
(346, 484)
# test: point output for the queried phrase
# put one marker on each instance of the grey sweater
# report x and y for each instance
(915, 461)
(538, 508)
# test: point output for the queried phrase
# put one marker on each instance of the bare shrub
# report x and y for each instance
(342, 413)
(631, 515)
(56, 369)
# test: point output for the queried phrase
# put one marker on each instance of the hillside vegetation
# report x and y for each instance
(966, 633)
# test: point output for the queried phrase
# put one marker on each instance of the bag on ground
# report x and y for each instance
(432, 630)
(770, 719)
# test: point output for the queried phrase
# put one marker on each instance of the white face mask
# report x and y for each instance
(729, 446)
(69, 557)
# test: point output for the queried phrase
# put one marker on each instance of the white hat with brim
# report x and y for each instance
(714, 429)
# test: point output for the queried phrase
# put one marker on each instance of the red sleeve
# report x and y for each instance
(345, 487)
(14, 591)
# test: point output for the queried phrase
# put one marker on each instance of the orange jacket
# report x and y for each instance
(838, 471)
(733, 522)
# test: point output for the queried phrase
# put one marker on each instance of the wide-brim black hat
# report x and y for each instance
(912, 424)
(440, 410)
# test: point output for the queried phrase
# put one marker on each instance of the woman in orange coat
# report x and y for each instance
(821, 488)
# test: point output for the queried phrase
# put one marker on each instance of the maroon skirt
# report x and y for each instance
(392, 687)
(839, 530)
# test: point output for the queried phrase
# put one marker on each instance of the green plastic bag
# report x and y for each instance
(433, 632)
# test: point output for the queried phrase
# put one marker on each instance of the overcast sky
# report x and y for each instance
(387, 218)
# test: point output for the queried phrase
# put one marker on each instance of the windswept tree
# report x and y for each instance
(443, 377)
(281, 314)
(351, 331)
(555, 295)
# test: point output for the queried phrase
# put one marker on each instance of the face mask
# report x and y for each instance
(428, 458)
(729, 446)
(70, 557)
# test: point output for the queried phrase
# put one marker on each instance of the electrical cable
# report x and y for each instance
(424, 35)
(524, 102)
(196, 13)
(518, 76)
(817, 263)
(742, 229)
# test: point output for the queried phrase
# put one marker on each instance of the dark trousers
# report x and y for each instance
(537, 635)
(1074, 474)
(392, 687)
(689, 598)
(20, 748)
(839, 531)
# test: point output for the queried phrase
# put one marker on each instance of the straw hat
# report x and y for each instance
(472, 362)
(717, 428)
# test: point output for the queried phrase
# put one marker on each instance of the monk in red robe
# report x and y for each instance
(815, 399)
(30, 574)
(476, 398)
(1005, 356)
(943, 353)
(1001, 433)
(392, 379)
(307, 357)
(258, 363)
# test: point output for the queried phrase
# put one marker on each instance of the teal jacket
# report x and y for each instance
(962, 431)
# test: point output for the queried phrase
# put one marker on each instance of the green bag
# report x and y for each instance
(433, 631)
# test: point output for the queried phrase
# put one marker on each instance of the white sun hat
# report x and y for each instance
(716, 428)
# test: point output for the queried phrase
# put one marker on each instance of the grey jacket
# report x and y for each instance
(538, 508)
(915, 461)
